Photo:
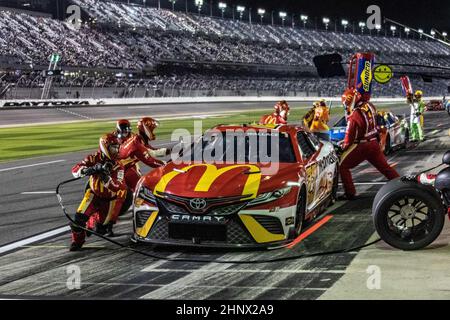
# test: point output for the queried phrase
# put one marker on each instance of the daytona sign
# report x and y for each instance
(44, 103)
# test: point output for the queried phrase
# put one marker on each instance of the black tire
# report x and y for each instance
(400, 202)
(387, 148)
(301, 212)
(335, 188)
(405, 145)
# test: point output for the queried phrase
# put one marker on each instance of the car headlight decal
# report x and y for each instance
(270, 196)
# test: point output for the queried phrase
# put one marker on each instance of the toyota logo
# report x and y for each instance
(197, 204)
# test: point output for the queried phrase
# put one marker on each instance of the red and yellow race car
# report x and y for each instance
(435, 105)
(242, 200)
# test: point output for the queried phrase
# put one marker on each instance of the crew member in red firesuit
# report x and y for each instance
(279, 116)
(361, 141)
(123, 130)
(106, 191)
(137, 148)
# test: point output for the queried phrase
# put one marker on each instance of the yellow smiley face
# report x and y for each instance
(383, 74)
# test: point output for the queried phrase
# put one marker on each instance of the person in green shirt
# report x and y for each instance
(417, 110)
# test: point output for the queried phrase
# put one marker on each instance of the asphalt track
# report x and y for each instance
(40, 268)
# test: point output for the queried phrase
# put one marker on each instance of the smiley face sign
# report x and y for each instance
(383, 74)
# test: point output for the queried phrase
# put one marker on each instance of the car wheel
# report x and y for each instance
(405, 144)
(387, 148)
(407, 216)
(335, 187)
(301, 212)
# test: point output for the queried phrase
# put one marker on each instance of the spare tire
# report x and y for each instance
(408, 215)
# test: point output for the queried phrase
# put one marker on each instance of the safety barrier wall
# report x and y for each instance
(67, 103)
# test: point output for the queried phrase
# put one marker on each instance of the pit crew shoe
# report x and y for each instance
(75, 247)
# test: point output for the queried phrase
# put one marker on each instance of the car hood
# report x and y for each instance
(212, 181)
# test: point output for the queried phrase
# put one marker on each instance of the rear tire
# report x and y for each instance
(335, 187)
(408, 215)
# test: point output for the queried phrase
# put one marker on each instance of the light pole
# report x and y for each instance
(393, 29)
(326, 21)
(433, 33)
(407, 31)
(172, 2)
(241, 10)
(304, 19)
(444, 34)
(261, 13)
(420, 33)
(199, 4)
(362, 25)
(344, 24)
(378, 28)
(282, 15)
(222, 7)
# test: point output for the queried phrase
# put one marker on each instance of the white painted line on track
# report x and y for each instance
(368, 183)
(38, 192)
(151, 269)
(33, 239)
(31, 165)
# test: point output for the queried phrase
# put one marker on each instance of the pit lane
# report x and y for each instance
(40, 269)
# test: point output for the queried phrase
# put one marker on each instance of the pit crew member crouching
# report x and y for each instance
(105, 193)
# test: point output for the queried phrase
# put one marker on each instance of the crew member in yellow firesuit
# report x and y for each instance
(316, 120)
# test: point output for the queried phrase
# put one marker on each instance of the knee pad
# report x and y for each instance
(79, 220)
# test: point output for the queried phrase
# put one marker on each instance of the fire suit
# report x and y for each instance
(273, 118)
(134, 150)
(103, 197)
(417, 110)
(360, 144)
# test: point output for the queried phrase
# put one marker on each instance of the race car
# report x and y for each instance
(394, 131)
(245, 201)
(435, 105)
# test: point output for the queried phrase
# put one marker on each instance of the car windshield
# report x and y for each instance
(341, 123)
(242, 147)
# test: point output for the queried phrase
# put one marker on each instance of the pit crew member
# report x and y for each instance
(361, 141)
(279, 116)
(319, 123)
(417, 110)
(137, 149)
(106, 191)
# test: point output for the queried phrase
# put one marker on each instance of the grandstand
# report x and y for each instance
(160, 52)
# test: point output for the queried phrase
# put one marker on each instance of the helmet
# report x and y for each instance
(109, 146)
(322, 103)
(418, 94)
(350, 98)
(123, 128)
(146, 126)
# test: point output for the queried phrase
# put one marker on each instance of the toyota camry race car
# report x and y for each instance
(435, 105)
(242, 200)
(394, 131)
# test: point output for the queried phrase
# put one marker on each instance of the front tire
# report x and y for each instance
(300, 213)
(408, 215)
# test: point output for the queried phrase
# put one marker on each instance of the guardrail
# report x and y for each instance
(68, 103)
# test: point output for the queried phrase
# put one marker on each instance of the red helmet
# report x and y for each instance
(282, 109)
(350, 98)
(109, 146)
(123, 128)
(146, 126)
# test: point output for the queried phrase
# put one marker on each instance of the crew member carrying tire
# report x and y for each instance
(279, 116)
(361, 141)
(105, 194)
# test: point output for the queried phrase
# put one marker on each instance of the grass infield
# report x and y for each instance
(51, 139)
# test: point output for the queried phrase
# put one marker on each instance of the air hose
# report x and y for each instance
(159, 257)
